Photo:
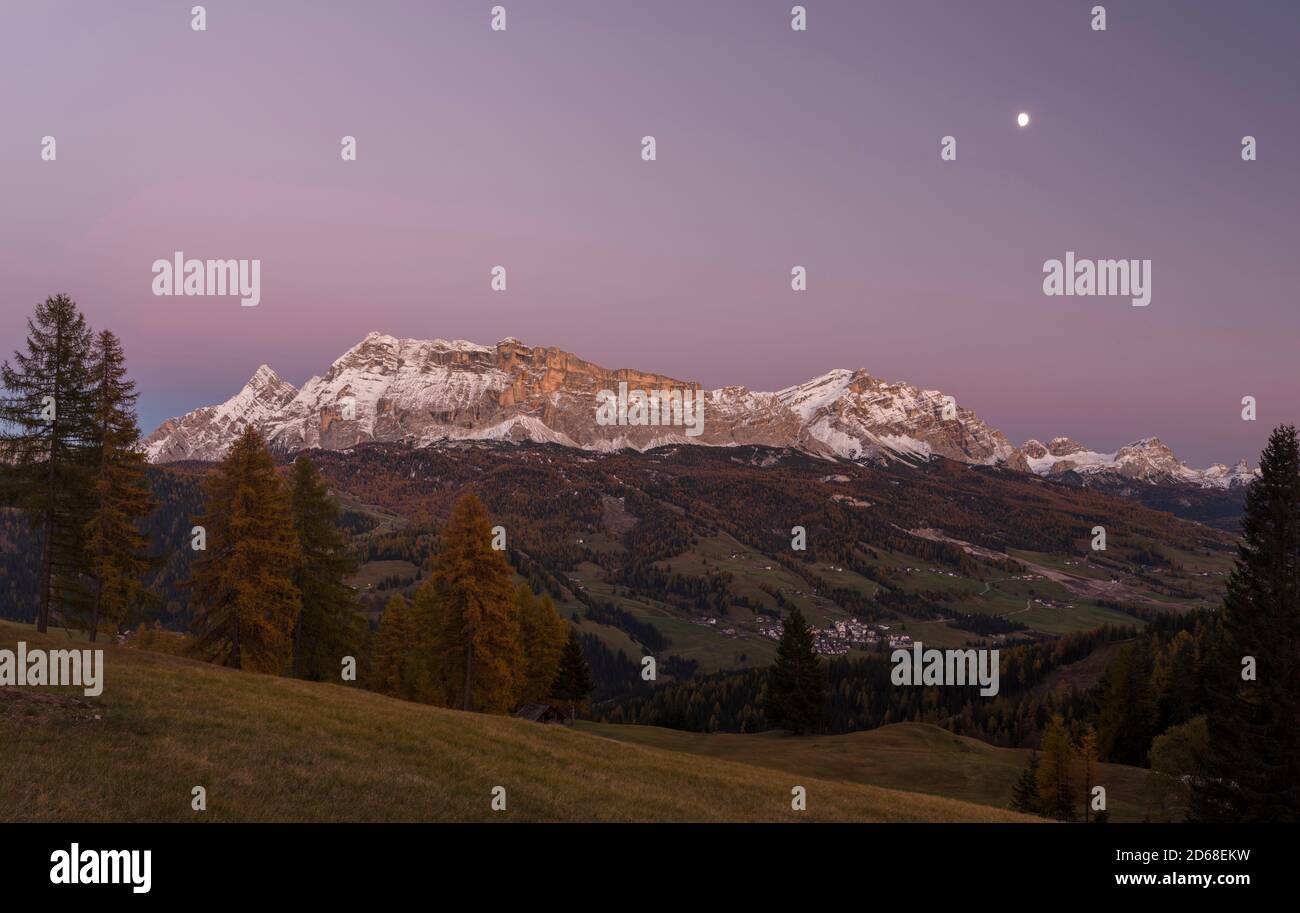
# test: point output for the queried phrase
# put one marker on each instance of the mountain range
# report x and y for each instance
(422, 392)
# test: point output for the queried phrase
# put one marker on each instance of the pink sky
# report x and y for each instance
(775, 148)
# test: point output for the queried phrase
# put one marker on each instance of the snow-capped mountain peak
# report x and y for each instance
(1147, 460)
(420, 392)
(211, 429)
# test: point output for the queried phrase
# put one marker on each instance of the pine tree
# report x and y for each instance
(1024, 795)
(573, 680)
(1253, 764)
(244, 599)
(796, 688)
(544, 634)
(329, 625)
(117, 549)
(1055, 792)
(477, 651)
(45, 436)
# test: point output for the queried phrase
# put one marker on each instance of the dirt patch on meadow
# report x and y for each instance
(41, 705)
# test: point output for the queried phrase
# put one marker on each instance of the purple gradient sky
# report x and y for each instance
(775, 148)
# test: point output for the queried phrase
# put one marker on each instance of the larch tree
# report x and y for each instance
(244, 598)
(544, 634)
(1085, 756)
(393, 650)
(1055, 790)
(329, 625)
(117, 549)
(477, 650)
(46, 432)
(1253, 680)
(426, 676)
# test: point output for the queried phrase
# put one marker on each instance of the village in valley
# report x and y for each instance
(836, 639)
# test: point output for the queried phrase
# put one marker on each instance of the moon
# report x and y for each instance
(1022, 119)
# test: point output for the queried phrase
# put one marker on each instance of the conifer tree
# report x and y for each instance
(1178, 758)
(244, 599)
(1253, 718)
(329, 625)
(544, 634)
(477, 651)
(1085, 755)
(1055, 791)
(1024, 795)
(45, 437)
(796, 687)
(393, 650)
(426, 674)
(117, 549)
(573, 681)
(1126, 717)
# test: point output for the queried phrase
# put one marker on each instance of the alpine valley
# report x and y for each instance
(920, 523)
(917, 513)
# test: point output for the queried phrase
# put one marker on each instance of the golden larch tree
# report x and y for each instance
(544, 634)
(477, 649)
(245, 602)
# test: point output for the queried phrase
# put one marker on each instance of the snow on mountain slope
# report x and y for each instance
(1147, 460)
(206, 433)
(392, 389)
(857, 415)
(424, 391)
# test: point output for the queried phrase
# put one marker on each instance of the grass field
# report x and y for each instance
(909, 756)
(370, 574)
(275, 749)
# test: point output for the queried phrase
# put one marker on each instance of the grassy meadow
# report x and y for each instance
(275, 749)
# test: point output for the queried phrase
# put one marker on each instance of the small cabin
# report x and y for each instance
(542, 713)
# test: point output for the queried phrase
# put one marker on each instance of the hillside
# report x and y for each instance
(274, 749)
(910, 756)
(666, 540)
(641, 550)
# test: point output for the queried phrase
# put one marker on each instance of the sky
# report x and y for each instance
(775, 148)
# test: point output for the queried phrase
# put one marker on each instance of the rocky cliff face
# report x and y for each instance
(424, 391)
(200, 434)
(1147, 460)
(421, 392)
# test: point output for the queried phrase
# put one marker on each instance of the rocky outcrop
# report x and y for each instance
(425, 391)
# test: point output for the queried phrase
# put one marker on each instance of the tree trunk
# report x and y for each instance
(469, 663)
(102, 486)
(234, 648)
(43, 614)
(297, 645)
(43, 611)
(94, 617)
